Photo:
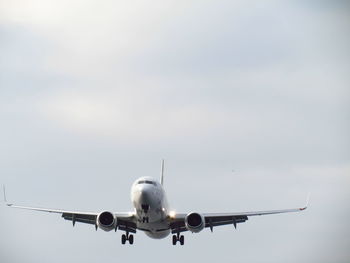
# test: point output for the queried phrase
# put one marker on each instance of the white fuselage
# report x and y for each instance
(151, 207)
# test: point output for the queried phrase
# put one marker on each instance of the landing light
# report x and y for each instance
(172, 214)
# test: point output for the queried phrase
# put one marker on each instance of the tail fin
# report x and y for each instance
(162, 173)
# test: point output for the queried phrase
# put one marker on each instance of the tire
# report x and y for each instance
(174, 240)
(131, 239)
(182, 240)
(123, 239)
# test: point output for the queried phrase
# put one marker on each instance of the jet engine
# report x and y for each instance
(194, 222)
(106, 221)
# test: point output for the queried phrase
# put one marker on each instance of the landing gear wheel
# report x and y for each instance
(174, 240)
(123, 239)
(179, 238)
(131, 239)
(182, 240)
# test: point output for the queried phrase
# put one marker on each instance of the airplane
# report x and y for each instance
(153, 216)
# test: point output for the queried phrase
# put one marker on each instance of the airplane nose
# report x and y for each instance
(145, 197)
(143, 194)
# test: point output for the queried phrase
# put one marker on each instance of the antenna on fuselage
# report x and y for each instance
(162, 173)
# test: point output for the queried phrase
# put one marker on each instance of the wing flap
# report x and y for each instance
(81, 218)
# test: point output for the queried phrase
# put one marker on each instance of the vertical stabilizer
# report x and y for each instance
(162, 173)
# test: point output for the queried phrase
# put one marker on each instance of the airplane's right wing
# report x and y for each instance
(125, 221)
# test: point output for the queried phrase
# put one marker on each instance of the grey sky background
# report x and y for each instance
(248, 102)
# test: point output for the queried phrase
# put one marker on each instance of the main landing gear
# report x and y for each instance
(127, 237)
(179, 238)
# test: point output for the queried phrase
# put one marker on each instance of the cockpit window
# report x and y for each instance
(146, 182)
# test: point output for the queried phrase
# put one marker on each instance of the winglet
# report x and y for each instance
(307, 202)
(162, 173)
(3, 188)
(5, 199)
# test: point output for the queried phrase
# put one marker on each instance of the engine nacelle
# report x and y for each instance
(106, 221)
(194, 222)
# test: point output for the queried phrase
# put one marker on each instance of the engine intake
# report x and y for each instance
(106, 221)
(194, 222)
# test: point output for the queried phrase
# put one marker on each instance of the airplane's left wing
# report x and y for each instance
(218, 219)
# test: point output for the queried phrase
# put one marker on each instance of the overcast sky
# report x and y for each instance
(248, 102)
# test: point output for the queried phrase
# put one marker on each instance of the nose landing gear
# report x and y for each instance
(145, 208)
